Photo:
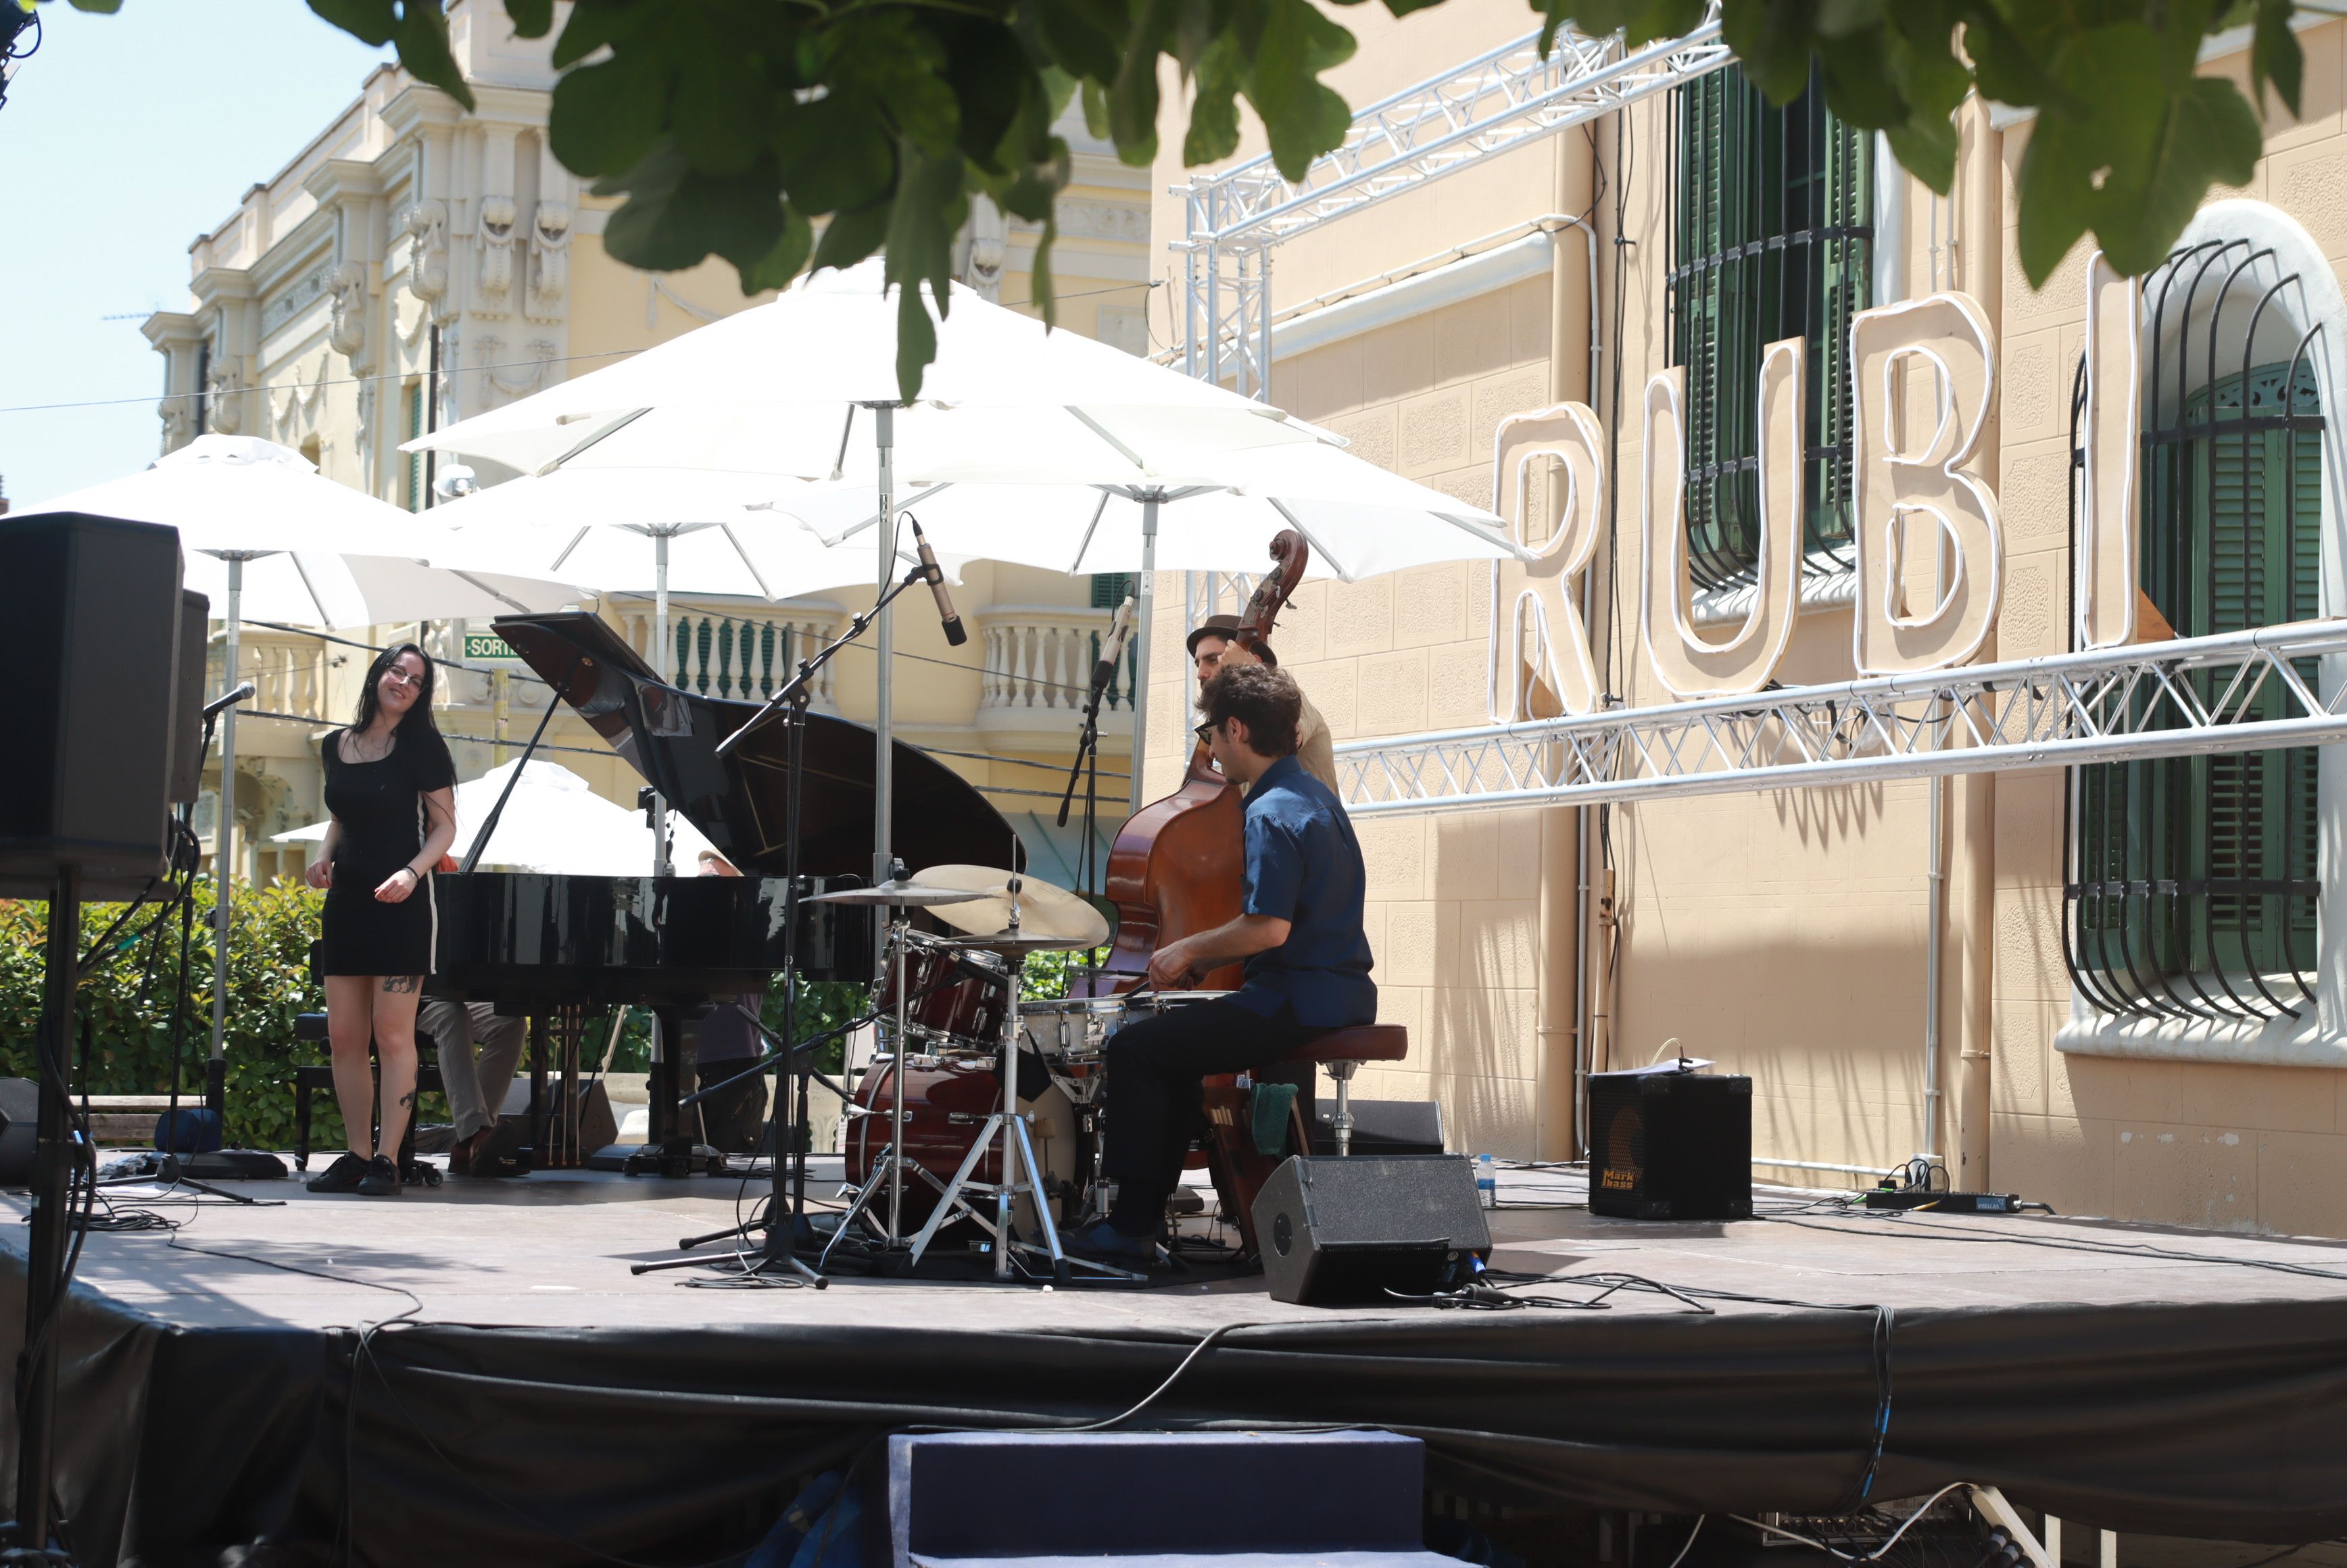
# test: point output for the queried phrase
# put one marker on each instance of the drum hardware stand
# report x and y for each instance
(785, 1207)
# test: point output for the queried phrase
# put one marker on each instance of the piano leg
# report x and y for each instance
(672, 1148)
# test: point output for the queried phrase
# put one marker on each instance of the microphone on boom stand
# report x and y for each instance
(935, 575)
(1120, 632)
(226, 700)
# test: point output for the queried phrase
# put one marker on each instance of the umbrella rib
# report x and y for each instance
(1096, 428)
(1090, 528)
(1470, 526)
(853, 529)
(611, 429)
(301, 569)
(1296, 523)
(755, 576)
(839, 460)
(567, 550)
(517, 606)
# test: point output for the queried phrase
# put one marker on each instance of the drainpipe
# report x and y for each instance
(1561, 1038)
(1978, 264)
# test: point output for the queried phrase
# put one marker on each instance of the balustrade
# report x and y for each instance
(743, 657)
(1041, 659)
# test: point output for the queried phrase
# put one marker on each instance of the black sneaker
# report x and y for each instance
(381, 1179)
(342, 1176)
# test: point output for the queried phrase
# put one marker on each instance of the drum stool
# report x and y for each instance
(1342, 1051)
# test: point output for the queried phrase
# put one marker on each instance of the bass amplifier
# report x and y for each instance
(1337, 1231)
(1671, 1145)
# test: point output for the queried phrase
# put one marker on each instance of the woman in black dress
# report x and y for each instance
(389, 784)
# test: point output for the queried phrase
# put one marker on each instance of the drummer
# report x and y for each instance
(1215, 646)
(1301, 934)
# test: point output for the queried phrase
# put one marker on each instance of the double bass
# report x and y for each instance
(1178, 866)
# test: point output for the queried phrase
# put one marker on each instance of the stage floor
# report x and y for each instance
(476, 1362)
(553, 1250)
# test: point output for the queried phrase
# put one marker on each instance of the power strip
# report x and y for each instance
(1918, 1198)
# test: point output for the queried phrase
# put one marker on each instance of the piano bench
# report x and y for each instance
(310, 1077)
(1342, 1051)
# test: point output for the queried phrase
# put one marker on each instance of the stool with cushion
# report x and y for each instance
(1342, 1051)
(1240, 1170)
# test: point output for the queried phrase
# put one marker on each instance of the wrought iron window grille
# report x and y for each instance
(2193, 886)
(1771, 236)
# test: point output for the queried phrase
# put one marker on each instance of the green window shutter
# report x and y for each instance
(1771, 238)
(414, 459)
(1110, 588)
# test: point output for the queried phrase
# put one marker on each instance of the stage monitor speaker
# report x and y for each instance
(1345, 1231)
(187, 780)
(1383, 1127)
(1672, 1145)
(20, 1115)
(91, 643)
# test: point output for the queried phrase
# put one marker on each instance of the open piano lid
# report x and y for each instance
(670, 736)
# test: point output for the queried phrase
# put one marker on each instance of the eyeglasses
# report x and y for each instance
(1204, 732)
(403, 677)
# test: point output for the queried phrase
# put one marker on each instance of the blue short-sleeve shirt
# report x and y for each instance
(1304, 867)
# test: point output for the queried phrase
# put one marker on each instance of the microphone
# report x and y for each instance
(1113, 649)
(936, 574)
(230, 699)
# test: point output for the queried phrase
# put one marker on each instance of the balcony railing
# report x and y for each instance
(1040, 660)
(289, 671)
(740, 656)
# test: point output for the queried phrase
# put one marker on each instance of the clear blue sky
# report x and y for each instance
(124, 138)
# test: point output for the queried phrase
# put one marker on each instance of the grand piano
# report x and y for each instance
(559, 949)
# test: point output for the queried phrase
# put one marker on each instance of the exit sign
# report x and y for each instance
(488, 645)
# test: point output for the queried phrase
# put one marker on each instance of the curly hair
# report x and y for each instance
(1262, 697)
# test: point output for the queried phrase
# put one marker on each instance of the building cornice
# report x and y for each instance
(167, 329)
(215, 286)
(341, 179)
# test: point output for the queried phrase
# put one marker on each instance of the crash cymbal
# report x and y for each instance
(899, 894)
(1019, 943)
(1044, 910)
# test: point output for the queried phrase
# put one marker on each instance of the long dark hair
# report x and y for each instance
(419, 716)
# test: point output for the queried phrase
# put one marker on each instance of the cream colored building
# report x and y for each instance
(416, 263)
(2091, 1052)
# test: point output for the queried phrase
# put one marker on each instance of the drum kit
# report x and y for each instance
(936, 1134)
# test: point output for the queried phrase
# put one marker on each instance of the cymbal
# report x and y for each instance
(897, 893)
(1044, 909)
(1016, 943)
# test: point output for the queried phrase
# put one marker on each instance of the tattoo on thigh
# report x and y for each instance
(401, 984)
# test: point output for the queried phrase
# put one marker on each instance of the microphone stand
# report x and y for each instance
(1087, 766)
(786, 1205)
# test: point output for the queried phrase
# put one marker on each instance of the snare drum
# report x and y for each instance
(943, 1013)
(1072, 1034)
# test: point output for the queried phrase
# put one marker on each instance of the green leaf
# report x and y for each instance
(606, 116)
(2275, 59)
(1133, 92)
(851, 235)
(787, 260)
(374, 22)
(1304, 117)
(531, 18)
(2210, 137)
(1041, 287)
(1095, 110)
(423, 41)
(835, 153)
(928, 213)
(1082, 37)
(1214, 110)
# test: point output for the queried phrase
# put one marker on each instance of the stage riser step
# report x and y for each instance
(1034, 1497)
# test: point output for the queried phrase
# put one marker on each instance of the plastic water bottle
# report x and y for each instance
(1487, 1183)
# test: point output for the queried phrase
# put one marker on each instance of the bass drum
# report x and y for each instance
(946, 1103)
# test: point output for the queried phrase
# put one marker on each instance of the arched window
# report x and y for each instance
(1772, 237)
(2194, 882)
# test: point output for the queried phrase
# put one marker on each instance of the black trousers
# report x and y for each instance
(734, 1118)
(1155, 1106)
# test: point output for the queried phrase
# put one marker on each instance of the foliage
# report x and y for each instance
(126, 1002)
(734, 126)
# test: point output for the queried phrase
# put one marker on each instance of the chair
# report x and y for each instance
(309, 1077)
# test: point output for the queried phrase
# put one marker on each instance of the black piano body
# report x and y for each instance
(557, 948)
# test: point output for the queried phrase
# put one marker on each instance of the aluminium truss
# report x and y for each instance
(1490, 104)
(2241, 691)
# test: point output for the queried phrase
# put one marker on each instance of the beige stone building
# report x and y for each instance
(416, 263)
(2162, 1044)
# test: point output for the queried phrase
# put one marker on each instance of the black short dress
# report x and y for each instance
(380, 805)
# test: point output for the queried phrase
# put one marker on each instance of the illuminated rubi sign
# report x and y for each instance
(1930, 551)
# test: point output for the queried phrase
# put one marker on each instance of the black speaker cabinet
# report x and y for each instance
(1343, 1230)
(1670, 1146)
(187, 780)
(91, 643)
(20, 1114)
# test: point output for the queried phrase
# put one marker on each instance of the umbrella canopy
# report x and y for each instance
(788, 389)
(726, 533)
(1359, 518)
(554, 823)
(305, 548)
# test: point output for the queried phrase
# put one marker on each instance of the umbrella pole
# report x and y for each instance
(223, 844)
(660, 866)
(884, 423)
(1145, 630)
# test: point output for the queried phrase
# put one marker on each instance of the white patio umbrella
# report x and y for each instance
(316, 552)
(555, 823)
(670, 531)
(806, 387)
